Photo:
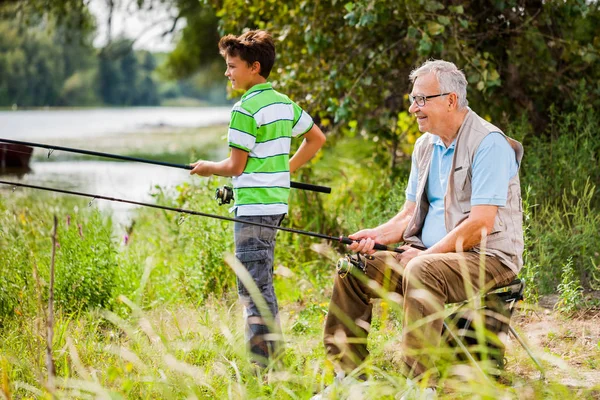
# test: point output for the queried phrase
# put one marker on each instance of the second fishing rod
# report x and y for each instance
(295, 185)
(341, 239)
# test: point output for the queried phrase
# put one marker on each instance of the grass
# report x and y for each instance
(165, 323)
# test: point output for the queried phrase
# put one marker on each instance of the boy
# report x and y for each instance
(262, 125)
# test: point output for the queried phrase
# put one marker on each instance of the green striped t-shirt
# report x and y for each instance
(263, 123)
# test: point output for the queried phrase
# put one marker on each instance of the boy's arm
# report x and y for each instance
(231, 166)
(313, 141)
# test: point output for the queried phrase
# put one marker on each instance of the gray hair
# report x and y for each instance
(450, 78)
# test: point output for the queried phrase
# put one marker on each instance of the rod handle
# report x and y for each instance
(378, 246)
(298, 185)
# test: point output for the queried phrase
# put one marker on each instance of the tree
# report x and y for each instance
(349, 62)
(38, 53)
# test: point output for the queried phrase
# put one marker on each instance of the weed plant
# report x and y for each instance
(562, 182)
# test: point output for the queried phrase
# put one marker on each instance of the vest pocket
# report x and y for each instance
(499, 223)
(462, 188)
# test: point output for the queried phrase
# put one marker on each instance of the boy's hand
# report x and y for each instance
(202, 168)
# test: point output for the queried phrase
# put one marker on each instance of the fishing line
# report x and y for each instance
(51, 148)
(341, 239)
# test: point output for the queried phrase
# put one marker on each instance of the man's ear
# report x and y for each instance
(452, 101)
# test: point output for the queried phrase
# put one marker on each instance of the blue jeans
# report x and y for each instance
(255, 248)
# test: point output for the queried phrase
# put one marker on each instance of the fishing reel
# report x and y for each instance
(224, 195)
(347, 264)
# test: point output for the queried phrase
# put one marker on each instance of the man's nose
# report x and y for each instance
(413, 107)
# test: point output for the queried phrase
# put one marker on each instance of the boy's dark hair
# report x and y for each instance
(251, 46)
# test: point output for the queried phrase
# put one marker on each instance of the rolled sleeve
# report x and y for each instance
(302, 121)
(494, 165)
(411, 187)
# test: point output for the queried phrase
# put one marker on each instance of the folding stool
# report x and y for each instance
(496, 308)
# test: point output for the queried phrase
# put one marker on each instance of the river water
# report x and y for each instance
(131, 181)
(84, 123)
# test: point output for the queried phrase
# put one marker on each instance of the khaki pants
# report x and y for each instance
(423, 287)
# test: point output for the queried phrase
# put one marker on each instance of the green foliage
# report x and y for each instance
(197, 47)
(181, 352)
(80, 89)
(181, 255)
(123, 79)
(562, 209)
(85, 256)
(86, 263)
(15, 267)
(531, 271)
(351, 67)
(38, 54)
(47, 59)
(565, 158)
(309, 318)
(565, 230)
(569, 289)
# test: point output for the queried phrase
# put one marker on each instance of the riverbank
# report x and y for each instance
(127, 180)
(182, 145)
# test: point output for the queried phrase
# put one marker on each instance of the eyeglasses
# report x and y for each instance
(421, 100)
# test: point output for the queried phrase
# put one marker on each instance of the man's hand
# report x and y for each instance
(202, 168)
(366, 241)
(390, 232)
(408, 254)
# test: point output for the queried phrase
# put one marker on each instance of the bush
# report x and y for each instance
(563, 207)
(85, 263)
(85, 255)
(183, 255)
(15, 263)
(565, 230)
(567, 157)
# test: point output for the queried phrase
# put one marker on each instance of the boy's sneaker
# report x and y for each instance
(415, 392)
(343, 385)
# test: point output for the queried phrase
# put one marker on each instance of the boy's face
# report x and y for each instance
(241, 75)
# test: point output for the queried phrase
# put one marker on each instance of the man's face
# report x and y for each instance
(239, 73)
(431, 117)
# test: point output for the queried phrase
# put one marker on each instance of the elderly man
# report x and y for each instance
(463, 207)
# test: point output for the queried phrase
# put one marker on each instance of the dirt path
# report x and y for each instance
(568, 348)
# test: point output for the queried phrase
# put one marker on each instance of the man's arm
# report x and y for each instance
(469, 233)
(231, 166)
(465, 236)
(313, 141)
(387, 233)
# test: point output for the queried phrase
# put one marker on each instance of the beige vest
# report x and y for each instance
(506, 239)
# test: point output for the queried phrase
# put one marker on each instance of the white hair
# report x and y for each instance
(449, 77)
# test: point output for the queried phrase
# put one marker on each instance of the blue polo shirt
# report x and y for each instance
(494, 165)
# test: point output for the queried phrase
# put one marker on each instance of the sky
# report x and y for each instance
(144, 26)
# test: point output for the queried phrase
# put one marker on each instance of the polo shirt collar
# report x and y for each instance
(437, 141)
(256, 88)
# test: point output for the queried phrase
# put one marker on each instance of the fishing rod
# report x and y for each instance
(295, 185)
(341, 239)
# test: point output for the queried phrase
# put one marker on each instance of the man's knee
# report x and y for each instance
(417, 269)
(423, 277)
